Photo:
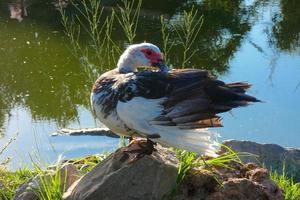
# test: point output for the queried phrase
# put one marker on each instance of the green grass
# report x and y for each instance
(51, 183)
(290, 188)
(3, 163)
(51, 186)
(10, 181)
(189, 160)
(186, 160)
(86, 164)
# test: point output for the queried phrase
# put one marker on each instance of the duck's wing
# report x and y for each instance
(197, 98)
(189, 98)
(178, 105)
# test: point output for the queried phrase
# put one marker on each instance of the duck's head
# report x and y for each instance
(141, 55)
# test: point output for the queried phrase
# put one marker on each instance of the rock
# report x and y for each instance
(242, 188)
(26, 190)
(68, 175)
(272, 156)
(243, 182)
(196, 185)
(151, 177)
(154, 177)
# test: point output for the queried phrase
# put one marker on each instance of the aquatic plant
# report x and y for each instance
(187, 29)
(166, 38)
(89, 20)
(5, 146)
(129, 17)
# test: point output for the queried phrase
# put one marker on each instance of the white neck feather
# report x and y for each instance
(133, 58)
(126, 63)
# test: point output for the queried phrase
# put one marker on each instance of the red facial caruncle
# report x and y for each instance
(152, 56)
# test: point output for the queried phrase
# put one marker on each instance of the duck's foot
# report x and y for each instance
(138, 148)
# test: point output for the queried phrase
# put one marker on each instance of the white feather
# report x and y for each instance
(112, 121)
(138, 113)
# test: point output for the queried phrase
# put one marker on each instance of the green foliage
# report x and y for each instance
(167, 42)
(189, 160)
(2, 149)
(9, 181)
(187, 30)
(291, 189)
(122, 141)
(89, 20)
(86, 164)
(51, 182)
(51, 186)
(224, 159)
(186, 160)
(101, 50)
(129, 17)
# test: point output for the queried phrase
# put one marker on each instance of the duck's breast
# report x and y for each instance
(100, 102)
(107, 91)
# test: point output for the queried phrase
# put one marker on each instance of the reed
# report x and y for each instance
(89, 20)
(4, 147)
(187, 30)
(166, 38)
(129, 18)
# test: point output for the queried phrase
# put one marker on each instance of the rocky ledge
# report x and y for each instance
(272, 156)
(156, 177)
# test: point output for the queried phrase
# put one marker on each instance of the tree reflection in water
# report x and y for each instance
(39, 72)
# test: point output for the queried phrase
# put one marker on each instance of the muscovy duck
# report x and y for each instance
(173, 108)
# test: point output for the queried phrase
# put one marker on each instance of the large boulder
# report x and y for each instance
(151, 177)
(154, 177)
(272, 156)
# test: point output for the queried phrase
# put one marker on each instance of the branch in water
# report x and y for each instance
(85, 131)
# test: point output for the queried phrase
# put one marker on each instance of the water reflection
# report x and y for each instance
(41, 75)
(226, 24)
(18, 10)
(39, 72)
(286, 30)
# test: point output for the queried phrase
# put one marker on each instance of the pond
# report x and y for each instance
(44, 87)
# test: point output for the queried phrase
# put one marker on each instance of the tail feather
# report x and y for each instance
(201, 141)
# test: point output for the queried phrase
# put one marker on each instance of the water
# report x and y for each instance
(43, 87)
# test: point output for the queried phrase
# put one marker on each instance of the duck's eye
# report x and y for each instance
(149, 53)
